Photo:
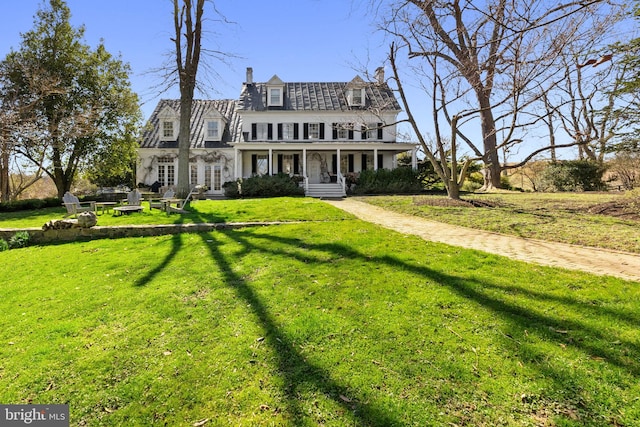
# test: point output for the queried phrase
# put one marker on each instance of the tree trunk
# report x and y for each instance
(5, 190)
(186, 102)
(491, 158)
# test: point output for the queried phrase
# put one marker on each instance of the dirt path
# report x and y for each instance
(597, 261)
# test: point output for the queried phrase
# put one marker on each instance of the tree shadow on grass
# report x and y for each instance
(292, 365)
(591, 340)
(478, 292)
(297, 372)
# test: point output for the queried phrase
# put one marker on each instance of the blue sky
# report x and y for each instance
(301, 40)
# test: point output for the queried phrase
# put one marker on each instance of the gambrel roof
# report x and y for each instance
(201, 111)
(320, 96)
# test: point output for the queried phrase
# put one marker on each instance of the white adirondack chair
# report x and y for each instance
(74, 206)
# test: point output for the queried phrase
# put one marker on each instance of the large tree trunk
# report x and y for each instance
(186, 102)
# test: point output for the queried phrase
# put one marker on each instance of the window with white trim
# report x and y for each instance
(167, 129)
(314, 130)
(356, 97)
(193, 173)
(213, 130)
(288, 131)
(262, 131)
(275, 97)
(262, 164)
(166, 172)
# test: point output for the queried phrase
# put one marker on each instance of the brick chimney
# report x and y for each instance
(249, 76)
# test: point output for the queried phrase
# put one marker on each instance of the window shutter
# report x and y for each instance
(296, 164)
(380, 158)
(363, 132)
(254, 131)
(321, 130)
(335, 131)
(254, 163)
(351, 132)
(380, 130)
(305, 130)
(279, 163)
(280, 131)
(295, 131)
(334, 166)
(364, 162)
(270, 131)
(351, 158)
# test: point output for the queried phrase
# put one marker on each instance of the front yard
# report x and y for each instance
(326, 323)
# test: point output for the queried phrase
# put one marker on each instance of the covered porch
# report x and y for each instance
(324, 168)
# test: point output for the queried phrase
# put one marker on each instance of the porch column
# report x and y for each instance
(414, 158)
(270, 161)
(375, 159)
(238, 163)
(339, 172)
(304, 162)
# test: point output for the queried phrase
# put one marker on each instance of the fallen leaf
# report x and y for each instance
(264, 407)
(345, 398)
(167, 353)
(201, 422)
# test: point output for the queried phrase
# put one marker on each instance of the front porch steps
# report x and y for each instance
(325, 191)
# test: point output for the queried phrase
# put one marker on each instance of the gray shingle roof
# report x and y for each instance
(322, 96)
(227, 108)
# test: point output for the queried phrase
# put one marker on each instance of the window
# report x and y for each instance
(213, 177)
(347, 163)
(372, 131)
(262, 164)
(275, 97)
(342, 131)
(167, 129)
(314, 130)
(166, 172)
(356, 97)
(261, 131)
(193, 173)
(213, 130)
(288, 131)
(287, 164)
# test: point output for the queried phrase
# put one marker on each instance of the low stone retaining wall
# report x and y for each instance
(37, 235)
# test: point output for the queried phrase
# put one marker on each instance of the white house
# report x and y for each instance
(319, 131)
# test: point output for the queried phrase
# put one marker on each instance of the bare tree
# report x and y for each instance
(188, 18)
(188, 26)
(441, 151)
(505, 54)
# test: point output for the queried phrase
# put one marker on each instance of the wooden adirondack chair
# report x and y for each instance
(158, 203)
(134, 198)
(74, 206)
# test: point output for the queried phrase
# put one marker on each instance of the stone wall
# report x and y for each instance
(38, 236)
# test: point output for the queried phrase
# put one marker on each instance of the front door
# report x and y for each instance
(213, 178)
(314, 170)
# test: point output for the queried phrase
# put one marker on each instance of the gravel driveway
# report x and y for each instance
(597, 261)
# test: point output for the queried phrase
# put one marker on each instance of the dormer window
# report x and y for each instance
(167, 130)
(275, 92)
(213, 130)
(356, 97)
(275, 97)
(355, 92)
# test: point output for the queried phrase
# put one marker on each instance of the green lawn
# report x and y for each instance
(211, 211)
(337, 323)
(559, 217)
